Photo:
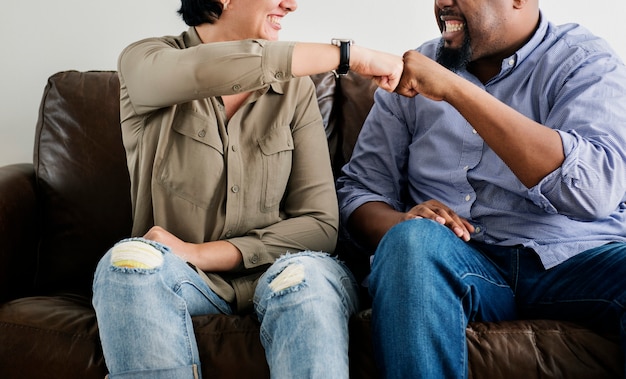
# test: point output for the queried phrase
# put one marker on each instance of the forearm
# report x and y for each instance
(216, 256)
(315, 58)
(369, 222)
(292, 235)
(529, 149)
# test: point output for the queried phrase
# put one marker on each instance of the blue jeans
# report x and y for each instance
(144, 316)
(427, 284)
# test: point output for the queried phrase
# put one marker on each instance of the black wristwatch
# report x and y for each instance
(344, 54)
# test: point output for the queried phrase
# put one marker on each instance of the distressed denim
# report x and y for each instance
(304, 327)
(427, 284)
(144, 316)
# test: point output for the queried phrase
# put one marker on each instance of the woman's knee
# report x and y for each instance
(129, 256)
(291, 272)
(306, 275)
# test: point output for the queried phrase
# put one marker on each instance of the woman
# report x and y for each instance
(233, 196)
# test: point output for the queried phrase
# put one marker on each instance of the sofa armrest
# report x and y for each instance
(18, 230)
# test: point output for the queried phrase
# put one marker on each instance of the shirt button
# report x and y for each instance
(235, 189)
(511, 62)
(278, 75)
(229, 234)
(233, 148)
(474, 131)
(477, 229)
(236, 88)
(465, 168)
(254, 259)
(202, 133)
(468, 197)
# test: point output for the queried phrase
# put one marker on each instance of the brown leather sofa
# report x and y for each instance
(59, 214)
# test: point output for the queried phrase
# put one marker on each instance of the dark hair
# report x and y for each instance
(196, 12)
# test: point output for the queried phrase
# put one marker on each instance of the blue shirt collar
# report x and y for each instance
(513, 61)
(523, 53)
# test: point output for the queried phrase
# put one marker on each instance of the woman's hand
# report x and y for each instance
(384, 68)
(179, 247)
(209, 256)
(437, 211)
(314, 58)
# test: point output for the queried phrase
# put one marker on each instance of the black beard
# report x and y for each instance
(454, 59)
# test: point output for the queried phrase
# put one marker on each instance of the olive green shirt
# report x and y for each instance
(261, 180)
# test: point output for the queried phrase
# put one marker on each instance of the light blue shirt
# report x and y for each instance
(413, 149)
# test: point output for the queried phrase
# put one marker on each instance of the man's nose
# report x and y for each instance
(289, 5)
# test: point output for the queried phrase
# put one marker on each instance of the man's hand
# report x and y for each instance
(437, 211)
(422, 75)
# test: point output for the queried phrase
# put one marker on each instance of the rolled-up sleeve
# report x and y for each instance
(590, 115)
(158, 73)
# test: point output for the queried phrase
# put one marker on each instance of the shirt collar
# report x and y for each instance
(530, 46)
(513, 61)
(192, 38)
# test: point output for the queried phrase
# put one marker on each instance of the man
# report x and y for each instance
(495, 189)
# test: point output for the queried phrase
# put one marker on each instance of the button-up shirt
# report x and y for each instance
(261, 180)
(414, 149)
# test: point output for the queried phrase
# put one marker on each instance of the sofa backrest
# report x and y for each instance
(356, 97)
(82, 177)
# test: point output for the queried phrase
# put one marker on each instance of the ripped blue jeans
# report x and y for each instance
(144, 314)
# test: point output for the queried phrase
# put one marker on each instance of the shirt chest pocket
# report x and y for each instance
(193, 161)
(277, 154)
(198, 128)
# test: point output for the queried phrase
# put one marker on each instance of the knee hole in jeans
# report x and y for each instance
(290, 278)
(136, 255)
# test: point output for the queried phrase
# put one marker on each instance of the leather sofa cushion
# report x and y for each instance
(57, 337)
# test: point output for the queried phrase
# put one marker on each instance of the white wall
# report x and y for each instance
(41, 37)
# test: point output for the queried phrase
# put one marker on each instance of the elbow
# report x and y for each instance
(589, 192)
(591, 208)
(331, 235)
(601, 211)
(325, 238)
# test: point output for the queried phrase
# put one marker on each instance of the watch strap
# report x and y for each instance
(344, 54)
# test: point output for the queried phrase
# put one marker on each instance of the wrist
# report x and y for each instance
(344, 45)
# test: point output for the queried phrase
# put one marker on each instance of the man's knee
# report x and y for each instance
(416, 231)
(412, 246)
(409, 237)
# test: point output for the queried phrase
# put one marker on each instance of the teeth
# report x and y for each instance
(274, 20)
(454, 26)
